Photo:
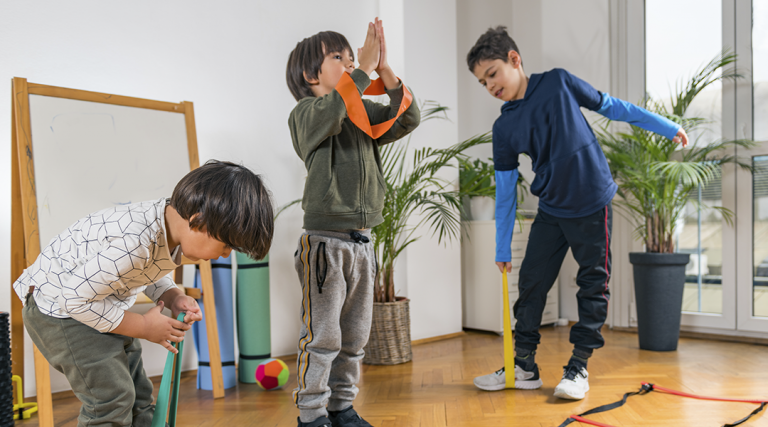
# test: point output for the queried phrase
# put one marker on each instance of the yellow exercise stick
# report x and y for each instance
(509, 350)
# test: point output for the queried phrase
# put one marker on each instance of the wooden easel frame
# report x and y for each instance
(25, 236)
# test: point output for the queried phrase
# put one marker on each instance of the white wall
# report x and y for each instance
(627, 29)
(229, 59)
(549, 34)
(433, 271)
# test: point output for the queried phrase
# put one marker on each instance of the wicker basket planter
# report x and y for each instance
(390, 340)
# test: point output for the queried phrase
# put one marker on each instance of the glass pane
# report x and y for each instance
(701, 235)
(760, 236)
(674, 52)
(760, 67)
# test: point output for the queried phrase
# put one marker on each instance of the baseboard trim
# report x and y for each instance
(706, 336)
(437, 338)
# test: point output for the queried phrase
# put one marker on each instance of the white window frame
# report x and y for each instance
(628, 82)
(743, 128)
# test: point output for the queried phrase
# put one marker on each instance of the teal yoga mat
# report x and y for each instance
(253, 335)
(168, 396)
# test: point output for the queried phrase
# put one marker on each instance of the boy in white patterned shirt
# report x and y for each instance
(77, 293)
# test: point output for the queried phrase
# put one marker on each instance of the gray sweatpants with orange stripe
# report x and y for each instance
(337, 270)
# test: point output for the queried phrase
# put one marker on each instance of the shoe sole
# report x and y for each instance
(520, 385)
(528, 384)
(562, 394)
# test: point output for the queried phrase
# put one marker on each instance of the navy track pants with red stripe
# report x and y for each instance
(590, 241)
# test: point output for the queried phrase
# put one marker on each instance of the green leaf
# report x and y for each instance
(655, 177)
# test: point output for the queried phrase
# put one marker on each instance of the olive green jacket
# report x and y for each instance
(345, 187)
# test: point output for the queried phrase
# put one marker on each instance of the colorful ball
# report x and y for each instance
(272, 374)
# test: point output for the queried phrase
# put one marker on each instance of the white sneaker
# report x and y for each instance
(524, 380)
(575, 383)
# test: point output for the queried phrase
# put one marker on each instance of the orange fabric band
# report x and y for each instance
(356, 110)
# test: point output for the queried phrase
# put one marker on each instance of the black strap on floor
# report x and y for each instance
(647, 388)
(643, 390)
(743, 420)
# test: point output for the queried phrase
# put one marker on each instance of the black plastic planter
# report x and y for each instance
(659, 283)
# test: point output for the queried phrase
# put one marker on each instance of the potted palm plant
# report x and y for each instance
(656, 179)
(476, 185)
(414, 185)
(476, 181)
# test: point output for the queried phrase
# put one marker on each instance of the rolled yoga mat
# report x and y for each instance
(221, 269)
(253, 336)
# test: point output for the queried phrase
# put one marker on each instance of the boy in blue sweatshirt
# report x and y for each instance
(541, 117)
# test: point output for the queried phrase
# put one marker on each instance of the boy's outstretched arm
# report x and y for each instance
(617, 109)
(620, 110)
(506, 207)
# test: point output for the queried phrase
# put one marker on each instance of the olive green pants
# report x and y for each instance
(105, 370)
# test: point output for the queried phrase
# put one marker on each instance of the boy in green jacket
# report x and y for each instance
(343, 199)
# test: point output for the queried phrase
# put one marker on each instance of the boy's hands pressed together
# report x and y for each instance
(382, 68)
(368, 55)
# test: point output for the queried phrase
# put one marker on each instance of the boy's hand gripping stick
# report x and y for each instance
(168, 396)
(356, 110)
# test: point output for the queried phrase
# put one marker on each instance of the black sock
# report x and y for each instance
(580, 357)
(525, 358)
(335, 413)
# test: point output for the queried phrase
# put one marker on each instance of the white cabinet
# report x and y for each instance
(481, 282)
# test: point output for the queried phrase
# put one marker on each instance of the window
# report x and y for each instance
(760, 236)
(674, 52)
(760, 68)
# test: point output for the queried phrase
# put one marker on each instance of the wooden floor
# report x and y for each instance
(435, 389)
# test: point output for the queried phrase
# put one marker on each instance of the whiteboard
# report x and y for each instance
(90, 156)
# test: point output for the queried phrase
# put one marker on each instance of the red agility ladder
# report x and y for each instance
(356, 110)
(647, 388)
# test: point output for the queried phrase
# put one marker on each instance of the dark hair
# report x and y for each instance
(307, 57)
(493, 44)
(231, 202)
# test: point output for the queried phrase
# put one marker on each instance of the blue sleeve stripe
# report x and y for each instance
(506, 206)
(620, 110)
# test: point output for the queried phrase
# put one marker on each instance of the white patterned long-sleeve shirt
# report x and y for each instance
(93, 271)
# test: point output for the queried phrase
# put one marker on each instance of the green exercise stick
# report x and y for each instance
(168, 396)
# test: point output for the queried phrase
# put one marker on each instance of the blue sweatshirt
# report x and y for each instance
(572, 176)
